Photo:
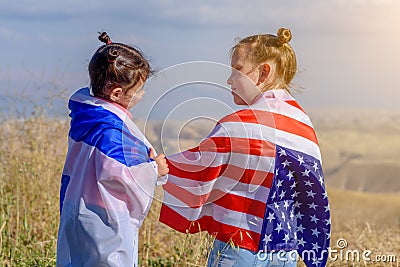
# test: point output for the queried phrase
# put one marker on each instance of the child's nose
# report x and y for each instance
(229, 81)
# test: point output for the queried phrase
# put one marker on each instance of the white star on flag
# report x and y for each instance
(286, 238)
(293, 185)
(310, 193)
(267, 238)
(290, 174)
(314, 218)
(291, 214)
(282, 152)
(321, 179)
(315, 246)
(306, 173)
(308, 183)
(315, 166)
(299, 215)
(279, 227)
(295, 194)
(270, 217)
(286, 205)
(286, 163)
(327, 207)
(300, 159)
(301, 242)
(313, 206)
(315, 232)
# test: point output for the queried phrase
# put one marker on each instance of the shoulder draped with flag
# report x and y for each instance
(107, 185)
(256, 181)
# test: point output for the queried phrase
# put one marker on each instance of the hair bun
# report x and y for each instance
(284, 35)
(103, 37)
(112, 55)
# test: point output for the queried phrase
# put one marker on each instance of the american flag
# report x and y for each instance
(256, 181)
(297, 208)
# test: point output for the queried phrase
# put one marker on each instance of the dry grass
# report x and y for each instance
(32, 153)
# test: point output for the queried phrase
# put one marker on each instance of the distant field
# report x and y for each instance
(32, 153)
(360, 149)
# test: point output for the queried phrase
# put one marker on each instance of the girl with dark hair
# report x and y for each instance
(111, 169)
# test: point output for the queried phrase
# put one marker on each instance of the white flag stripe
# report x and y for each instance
(129, 124)
(90, 100)
(298, 143)
(278, 106)
(245, 130)
(288, 111)
(220, 214)
(245, 161)
(135, 179)
(282, 138)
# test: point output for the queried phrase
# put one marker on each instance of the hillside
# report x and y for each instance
(360, 161)
(360, 149)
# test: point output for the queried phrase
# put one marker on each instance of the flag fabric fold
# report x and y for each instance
(107, 185)
(256, 181)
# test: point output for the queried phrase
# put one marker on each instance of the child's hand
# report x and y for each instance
(161, 163)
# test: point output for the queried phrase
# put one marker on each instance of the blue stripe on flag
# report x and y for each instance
(64, 184)
(104, 130)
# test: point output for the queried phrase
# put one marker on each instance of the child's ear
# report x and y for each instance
(116, 94)
(265, 72)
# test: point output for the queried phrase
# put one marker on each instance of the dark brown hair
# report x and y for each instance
(116, 65)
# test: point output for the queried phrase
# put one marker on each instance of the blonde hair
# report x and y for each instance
(275, 49)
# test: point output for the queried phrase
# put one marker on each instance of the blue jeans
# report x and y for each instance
(224, 255)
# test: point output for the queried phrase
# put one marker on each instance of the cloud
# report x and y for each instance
(26, 10)
(336, 40)
(199, 14)
(10, 35)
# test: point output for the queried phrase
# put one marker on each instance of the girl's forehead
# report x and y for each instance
(241, 54)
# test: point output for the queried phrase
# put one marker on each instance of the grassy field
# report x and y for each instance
(32, 153)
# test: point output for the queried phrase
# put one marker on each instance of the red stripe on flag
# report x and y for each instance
(273, 120)
(226, 233)
(293, 126)
(221, 198)
(294, 104)
(207, 174)
(251, 116)
(248, 146)
(176, 221)
(195, 172)
(249, 176)
(190, 199)
(238, 203)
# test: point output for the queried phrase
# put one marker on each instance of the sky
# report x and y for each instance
(347, 50)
